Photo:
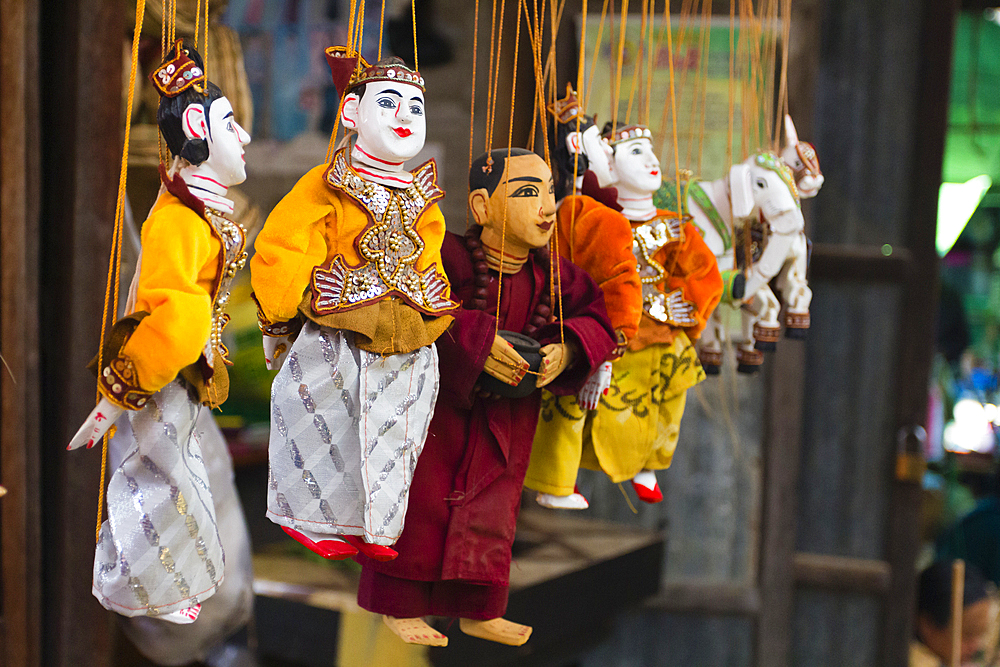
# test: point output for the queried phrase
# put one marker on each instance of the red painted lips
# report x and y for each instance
(402, 132)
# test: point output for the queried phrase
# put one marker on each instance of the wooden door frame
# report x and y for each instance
(20, 524)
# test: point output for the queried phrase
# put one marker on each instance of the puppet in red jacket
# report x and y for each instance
(455, 550)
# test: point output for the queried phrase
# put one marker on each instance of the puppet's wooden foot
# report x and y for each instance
(415, 631)
(496, 630)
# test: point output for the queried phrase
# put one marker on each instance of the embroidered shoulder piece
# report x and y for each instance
(389, 246)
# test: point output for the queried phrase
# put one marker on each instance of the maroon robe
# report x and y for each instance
(455, 550)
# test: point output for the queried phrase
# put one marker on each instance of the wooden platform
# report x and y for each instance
(569, 578)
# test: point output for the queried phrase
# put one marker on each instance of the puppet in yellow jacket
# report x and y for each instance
(159, 553)
(640, 399)
(352, 295)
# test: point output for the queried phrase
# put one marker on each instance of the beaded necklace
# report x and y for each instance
(543, 311)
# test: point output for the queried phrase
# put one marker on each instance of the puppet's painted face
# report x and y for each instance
(527, 191)
(635, 167)
(389, 120)
(226, 140)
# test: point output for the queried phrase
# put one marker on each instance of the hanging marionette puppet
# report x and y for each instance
(159, 552)
(348, 274)
(636, 426)
(595, 236)
(455, 552)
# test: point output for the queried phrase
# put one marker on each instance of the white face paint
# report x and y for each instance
(389, 120)
(226, 139)
(635, 168)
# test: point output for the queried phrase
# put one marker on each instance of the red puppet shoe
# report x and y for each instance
(646, 487)
(373, 551)
(332, 549)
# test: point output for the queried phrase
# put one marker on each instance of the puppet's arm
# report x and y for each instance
(600, 241)
(586, 327)
(693, 276)
(288, 248)
(177, 248)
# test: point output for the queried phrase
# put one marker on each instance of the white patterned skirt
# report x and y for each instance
(159, 550)
(347, 427)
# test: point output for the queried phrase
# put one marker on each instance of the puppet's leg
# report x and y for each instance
(314, 486)
(556, 451)
(795, 290)
(398, 393)
(159, 552)
(232, 606)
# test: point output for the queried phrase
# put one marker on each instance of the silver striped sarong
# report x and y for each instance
(159, 550)
(347, 427)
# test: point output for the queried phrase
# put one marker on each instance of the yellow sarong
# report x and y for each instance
(634, 428)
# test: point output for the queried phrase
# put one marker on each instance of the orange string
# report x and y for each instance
(111, 290)
(472, 104)
(594, 59)
(510, 140)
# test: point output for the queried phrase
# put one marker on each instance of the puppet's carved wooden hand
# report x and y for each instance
(504, 363)
(96, 425)
(557, 358)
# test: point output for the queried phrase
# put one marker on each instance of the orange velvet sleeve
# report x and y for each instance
(599, 240)
(179, 265)
(691, 266)
(292, 242)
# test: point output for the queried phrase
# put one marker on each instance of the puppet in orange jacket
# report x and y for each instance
(352, 295)
(160, 554)
(633, 430)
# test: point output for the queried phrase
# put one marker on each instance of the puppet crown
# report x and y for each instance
(179, 73)
(350, 70)
(567, 109)
(617, 135)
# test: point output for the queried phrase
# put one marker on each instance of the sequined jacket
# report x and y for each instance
(351, 254)
(689, 266)
(190, 255)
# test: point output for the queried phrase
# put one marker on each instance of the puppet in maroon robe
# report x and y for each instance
(455, 551)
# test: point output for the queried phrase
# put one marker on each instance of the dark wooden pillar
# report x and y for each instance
(21, 611)
(917, 337)
(81, 147)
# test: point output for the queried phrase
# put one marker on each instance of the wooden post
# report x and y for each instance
(20, 523)
(81, 57)
(957, 608)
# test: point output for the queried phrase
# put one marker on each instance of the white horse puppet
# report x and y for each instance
(759, 192)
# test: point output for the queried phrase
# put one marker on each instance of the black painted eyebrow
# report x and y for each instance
(394, 92)
(531, 179)
(417, 99)
(228, 115)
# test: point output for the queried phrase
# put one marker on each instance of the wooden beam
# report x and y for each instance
(860, 263)
(711, 599)
(837, 573)
(20, 537)
(916, 342)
